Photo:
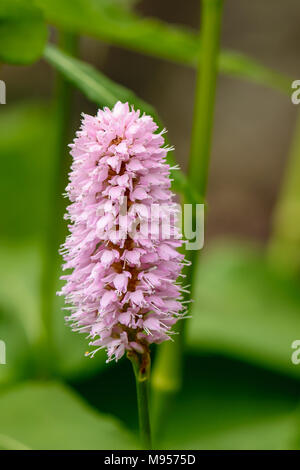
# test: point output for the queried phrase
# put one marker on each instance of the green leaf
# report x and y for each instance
(245, 310)
(241, 66)
(109, 22)
(23, 32)
(94, 84)
(104, 92)
(20, 269)
(106, 20)
(16, 345)
(71, 346)
(20, 322)
(51, 416)
(231, 406)
(7, 443)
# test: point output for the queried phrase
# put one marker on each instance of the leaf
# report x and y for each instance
(20, 269)
(109, 22)
(51, 416)
(17, 348)
(104, 92)
(94, 84)
(105, 20)
(224, 403)
(20, 323)
(7, 443)
(232, 406)
(241, 66)
(244, 309)
(71, 346)
(23, 32)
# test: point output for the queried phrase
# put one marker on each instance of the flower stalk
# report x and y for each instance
(141, 368)
(167, 374)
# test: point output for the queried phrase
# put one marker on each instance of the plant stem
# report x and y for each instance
(54, 225)
(167, 375)
(205, 94)
(283, 251)
(141, 368)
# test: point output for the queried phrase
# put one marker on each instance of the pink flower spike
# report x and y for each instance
(122, 289)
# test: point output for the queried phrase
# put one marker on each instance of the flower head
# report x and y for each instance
(122, 287)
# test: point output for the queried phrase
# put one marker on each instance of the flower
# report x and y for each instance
(122, 287)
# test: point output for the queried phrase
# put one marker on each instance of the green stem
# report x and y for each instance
(283, 250)
(167, 374)
(141, 368)
(205, 94)
(56, 204)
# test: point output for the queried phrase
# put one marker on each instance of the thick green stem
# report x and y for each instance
(141, 368)
(284, 246)
(56, 204)
(205, 94)
(167, 374)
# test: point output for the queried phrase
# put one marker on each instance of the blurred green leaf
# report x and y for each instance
(50, 416)
(244, 309)
(17, 347)
(7, 443)
(226, 405)
(20, 320)
(94, 84)
(23, 32)
(20, 323)
(241, 66)
(104, 92)
(110, 22)
(107, 20)
(71, 347)
(19, 274)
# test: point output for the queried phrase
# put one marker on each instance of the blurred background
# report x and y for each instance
(246, 170)
(241, 389)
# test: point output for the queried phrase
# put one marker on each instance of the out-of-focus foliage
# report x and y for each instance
(20, 323)
(23, 32)
(24, 172)
(71, 362)
(104, 92)
(108, 21)
(94, 84)
(224, 404)
(226, 407)
(50, 416)
(23, 183)
(244, 309)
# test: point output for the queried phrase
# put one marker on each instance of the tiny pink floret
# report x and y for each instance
(122, 288)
